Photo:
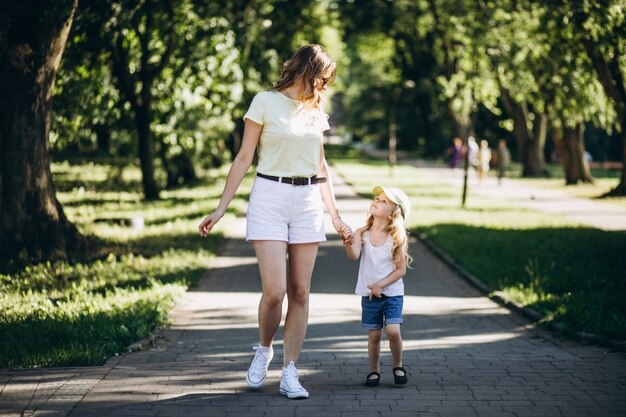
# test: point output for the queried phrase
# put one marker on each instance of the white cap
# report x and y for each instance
(397, 196)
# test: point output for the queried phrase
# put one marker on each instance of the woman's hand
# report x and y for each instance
(208, 223)
(343, 230)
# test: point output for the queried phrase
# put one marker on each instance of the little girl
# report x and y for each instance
(383, 242)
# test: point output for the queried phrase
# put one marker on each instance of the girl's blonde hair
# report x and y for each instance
(307, 65)
(398, 233)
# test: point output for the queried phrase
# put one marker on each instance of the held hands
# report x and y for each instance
(343, 230)
(208, 223)
(377, 290)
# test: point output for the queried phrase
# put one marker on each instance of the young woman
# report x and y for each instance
(285, 211)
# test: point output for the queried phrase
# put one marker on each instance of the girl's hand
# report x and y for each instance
(347, 235)
(208, 223)
(377, 290)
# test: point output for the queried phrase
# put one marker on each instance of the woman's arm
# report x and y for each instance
(328, 196)
(241, 164)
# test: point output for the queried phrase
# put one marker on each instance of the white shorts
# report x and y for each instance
(285, 212)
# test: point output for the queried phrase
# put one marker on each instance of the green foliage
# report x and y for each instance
(81, 327)
(387, 65)
(190, 67)
(62, 314)
(548, 269)
(373, 77)
(194, 94)
(604, 180)
(571, 273)
(474, 51)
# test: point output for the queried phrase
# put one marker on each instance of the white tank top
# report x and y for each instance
(377, 263)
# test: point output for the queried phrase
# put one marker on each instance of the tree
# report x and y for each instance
(161, 76)
(224, 52)
(600, 28)
(33, 225)
(546, 83)
(86, 102)
(392, 75)
(149, 29)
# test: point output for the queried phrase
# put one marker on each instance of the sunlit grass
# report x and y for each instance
(81, 313)
(604, 181)
(572, 273)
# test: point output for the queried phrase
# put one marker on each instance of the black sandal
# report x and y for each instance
(372, 382)
(400, 379)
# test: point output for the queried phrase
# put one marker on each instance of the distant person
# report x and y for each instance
(472, 152)
(286, 207)
(483, 160)
(503, 159)
(382, 245)
(456, 153)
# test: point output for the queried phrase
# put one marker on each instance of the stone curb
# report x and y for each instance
(502, 299)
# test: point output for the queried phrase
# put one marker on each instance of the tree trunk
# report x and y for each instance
(235, 139)
(530, 142)
(33, 226)
(463, 128)
(612, 80)
(179, 169)
(393, 137)
(620, 190)
(462, 125)
(167, 166)
(185, 171)
(535, 165)
(103, 135)
(146, 150)
(127, 79)
(571, 147)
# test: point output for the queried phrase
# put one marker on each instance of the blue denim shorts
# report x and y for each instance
(379, 311)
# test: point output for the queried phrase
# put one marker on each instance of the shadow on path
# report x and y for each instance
(466, 355)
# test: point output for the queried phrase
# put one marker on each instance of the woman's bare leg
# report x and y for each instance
(271, 255)
(301, 263)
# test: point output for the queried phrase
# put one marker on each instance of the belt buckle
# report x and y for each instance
(293, 181)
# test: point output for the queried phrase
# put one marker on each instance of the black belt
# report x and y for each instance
(294, 181)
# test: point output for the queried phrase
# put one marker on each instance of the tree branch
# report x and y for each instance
(171, 41)
(126, 81)
(144, 41)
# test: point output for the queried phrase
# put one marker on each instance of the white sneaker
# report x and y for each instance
(289, 384)
(258, 369)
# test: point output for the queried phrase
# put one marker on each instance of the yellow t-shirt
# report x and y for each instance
(291, 138)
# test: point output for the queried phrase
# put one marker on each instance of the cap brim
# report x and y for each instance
(380, 190)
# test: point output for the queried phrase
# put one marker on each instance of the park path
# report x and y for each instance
(594, 213)
(466, 355)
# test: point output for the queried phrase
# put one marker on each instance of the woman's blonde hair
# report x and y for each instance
(307, 65)
(398, 233)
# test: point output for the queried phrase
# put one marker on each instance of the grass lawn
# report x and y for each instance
(71, 314)
(604, 181)
(575, 275)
